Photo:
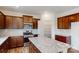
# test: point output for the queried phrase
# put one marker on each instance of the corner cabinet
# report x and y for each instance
(2, 20)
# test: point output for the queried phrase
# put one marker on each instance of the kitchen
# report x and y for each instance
(23, 30)
(14, 30)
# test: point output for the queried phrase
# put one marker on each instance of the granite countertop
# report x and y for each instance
(47, 45)
(3, 38)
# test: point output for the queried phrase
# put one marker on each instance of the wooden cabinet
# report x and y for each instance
(19, 41)
(73, 18)
(16, 41)
(35, 23)
(65, 21)
(12, 41)
(59, 23)
(17, 22)
(2, 21)
(13, 22)
(66, 24)
(28, 19)
(77, 17)
(9, 22)
(33, 49)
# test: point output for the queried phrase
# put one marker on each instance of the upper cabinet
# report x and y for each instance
(14, 22)
(18, 22)
(65, 21)
(2, 20)
(28, 19)
(59, 23)
(35, 23)
(77, 17)
(9, 22)
(73, 18)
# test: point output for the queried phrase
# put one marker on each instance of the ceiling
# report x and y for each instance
(38, 9)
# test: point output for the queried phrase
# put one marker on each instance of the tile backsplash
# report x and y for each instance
(15, 32)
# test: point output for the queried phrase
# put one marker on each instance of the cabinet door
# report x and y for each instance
(77, 17)
(73, 18)
(35, 23)
(12, 41)
(19, 41)
(9, 22)
(60, 23)
(66, 24)
(17, 22)
(28, 19)
(1, 21)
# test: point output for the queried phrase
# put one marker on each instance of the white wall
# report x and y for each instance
(75, 35)
(65, 32)
(16, 32)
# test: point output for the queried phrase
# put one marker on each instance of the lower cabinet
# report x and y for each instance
(16, 41)
(12, 42)
(33, 49)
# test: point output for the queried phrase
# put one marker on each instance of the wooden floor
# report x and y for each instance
(19, 50)
(24, 49)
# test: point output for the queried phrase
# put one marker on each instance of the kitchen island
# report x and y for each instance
(47, 45)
